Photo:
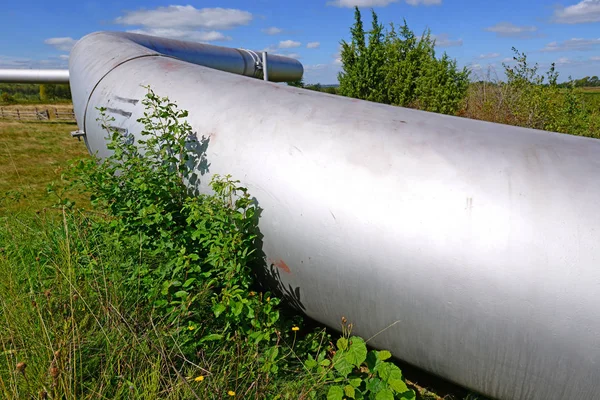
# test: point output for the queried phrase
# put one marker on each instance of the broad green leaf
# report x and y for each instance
(355, 382)
(211, 337)
(335, 393)
(342, 343)
(189, 282)
(310, 363)
(373, 361)
(357, 351)
(375, 385)
(218, 309)
(387, 371)
(384, 355)
(342, 365)
(385, 394)
(349, 391)
(398, 385)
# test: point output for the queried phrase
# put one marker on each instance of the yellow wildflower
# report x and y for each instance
(199, 378)
(191, 328)
(231, 393)
(295, 329)
(268, 299)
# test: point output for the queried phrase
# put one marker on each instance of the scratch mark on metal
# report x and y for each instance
(119, 111)
(126, 100)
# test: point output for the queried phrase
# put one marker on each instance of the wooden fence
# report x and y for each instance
(39, 114)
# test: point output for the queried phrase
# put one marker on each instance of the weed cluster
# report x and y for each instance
(532, 100)
(153, 294)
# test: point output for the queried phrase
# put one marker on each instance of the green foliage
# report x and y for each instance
(356, 373)
(588, 81)
(153, 295)
(297, 83)
(11, 93)
(533, 100)
(396, 67)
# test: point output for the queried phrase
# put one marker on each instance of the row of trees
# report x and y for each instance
(14, 92)
(588, 81)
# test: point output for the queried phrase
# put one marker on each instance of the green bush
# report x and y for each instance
(400, 69)
(532, 100)
(152, 295)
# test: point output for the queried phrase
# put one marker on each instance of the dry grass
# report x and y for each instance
(33, 155)
(61, 107)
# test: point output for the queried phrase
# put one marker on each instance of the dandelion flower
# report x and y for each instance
(295, 329)
(231, 393)
(191, 328)
(268, 299)
(199, 378)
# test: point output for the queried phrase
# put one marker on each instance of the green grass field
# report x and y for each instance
(591, 96)
(63, 330)
(33, 155)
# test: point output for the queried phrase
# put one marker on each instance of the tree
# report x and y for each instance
(298, 83)
(352, 77)
(396, 67)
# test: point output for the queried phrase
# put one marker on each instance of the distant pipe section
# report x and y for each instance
(98, 55)
(34, 75)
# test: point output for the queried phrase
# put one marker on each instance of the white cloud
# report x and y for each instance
(313, 45)
(563, 61)
(315, 67)
(186, 22)
(379, 3)
(490, 55)
(180, 17)
(289, 44)
(424, 2)
(271, 49)
(508, 59)
(582, 12)
(61, 43)
(27, 63)
(64, 56)
(595, 58)
(360, 3)
(292, 55)
(507, 29)
(183, 34)
(443, 40)
(575, 44)
(273, 30)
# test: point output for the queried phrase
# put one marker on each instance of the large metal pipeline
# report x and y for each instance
(34, 75)
(472, 248)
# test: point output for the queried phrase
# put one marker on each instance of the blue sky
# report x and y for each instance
(478, 34)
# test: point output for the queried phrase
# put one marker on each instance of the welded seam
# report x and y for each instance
(87, 103)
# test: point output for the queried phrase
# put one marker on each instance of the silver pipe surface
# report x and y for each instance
(34, 75)
(265, 66)
(467, 248)
(98, 54)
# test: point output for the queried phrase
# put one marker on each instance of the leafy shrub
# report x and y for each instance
(396, 67)
(530, 99)
(190, 273)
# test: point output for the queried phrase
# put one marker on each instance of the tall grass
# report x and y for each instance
(152, 294)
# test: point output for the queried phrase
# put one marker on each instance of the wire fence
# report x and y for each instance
(37, 114)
